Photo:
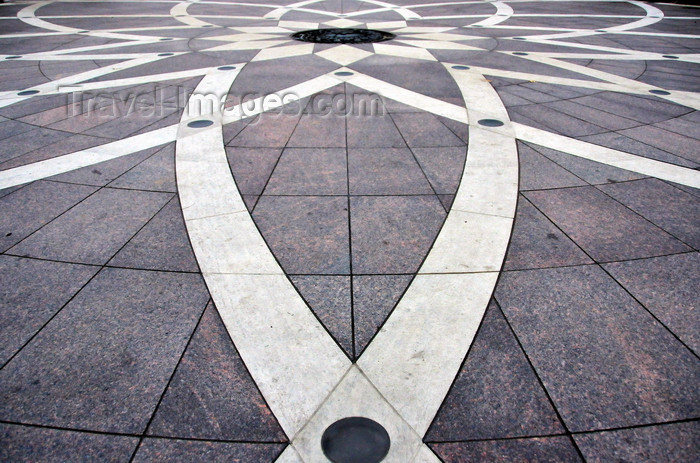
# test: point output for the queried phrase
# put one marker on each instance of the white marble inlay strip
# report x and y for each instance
(416, 355)
(608, 156)
(294, 361)
(503, 13)
(409, 97)
(87, 157)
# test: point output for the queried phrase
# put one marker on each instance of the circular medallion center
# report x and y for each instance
(342, 36)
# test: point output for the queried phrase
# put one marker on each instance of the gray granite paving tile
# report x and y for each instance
(163, 244)
(537, 172)
(595, 115)
(307, 234)
(374, 297)
(642, 109)
(602, 226)
(32, 105)
(537, 243)
(93, 231)
(673, 210)
(10, 128)
(24, 211)
(63, 146)
(105, 359)
(680, 145)
(329, 298)
(310, 171)
(252, 167)
(317, 130)
(425, 130)
(447, 201)
(541, 450)
(167, 450)
(157, 173)
(385, 171)
(31, 444)
(49, 116)
(681, 125)
(458, 128)
(373, 131)
(496, 394)
(630, 145)
(392, 234)
(31, 292)
(103, 173)
(269, 130)
(212, 395)
(665, 443)
(604, 360)
(442, 166)
(669, 287)
(557, 121)
(590, 171)
(22, 143)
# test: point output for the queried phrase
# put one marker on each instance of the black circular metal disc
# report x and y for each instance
(490, 122)
(659, 92)
(200, 124)
(342, 36)
(28, 92)
(355, 440)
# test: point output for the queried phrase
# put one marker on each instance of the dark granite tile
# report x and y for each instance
(269, 130)
(373, 131)
(590, 171)
(385, 171)
(252, 167)
(307, 234)
(458, 128)
(105, 359)
(31, 292)
(162, 244)
(374, 297)
(447, 201)
(669, 287)
(596, 115)
(620, 142)
(673, 210)
(496, 394)
(653, 444)
(93, 231)
(310, 171)
(604, 360)
(6, 191)
(536, 450)
(168, 450)
(52, 150)
(422, 130)
(212, 395)
(50, 116)
(537, 172)
(105, 172)
(17, 145)
(680, 125)
(31, 444)
(392, 234)
(442, 166)
(537, 243)
(329, 298)
(156, 173)
(556, 121)
(232, 129)
(24, 211)
(604, 228)
(648, 110)
(319, 131)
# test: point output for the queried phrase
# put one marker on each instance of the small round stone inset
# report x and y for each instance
(460, 66)
(166, 54)
(355, 440)
(226, 68)
(342, 36)
(13, 57)
(490, 122)
(659, 92)
(200, 124)
(28, 92)
(344, 73)
(670, 56)
(520, 53)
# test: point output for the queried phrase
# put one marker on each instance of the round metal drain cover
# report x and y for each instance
(200, 124)
(342, 36)
(355, 440)
(490, 122)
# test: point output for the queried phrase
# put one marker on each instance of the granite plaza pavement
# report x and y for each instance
(475, 230)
